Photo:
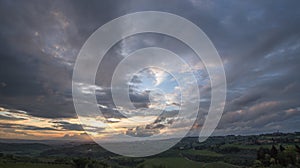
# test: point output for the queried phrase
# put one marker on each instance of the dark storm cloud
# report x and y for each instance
(260, 48)
(141, 132)
(30, 75)
(140, 100)
(68, 126)
(257, 40)
(10, 118)
(26, 127)
(166, 119)
(39, 43)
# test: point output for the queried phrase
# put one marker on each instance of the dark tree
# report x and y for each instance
(297, 148)
(81, 163)
(273, 152)
(281, 148)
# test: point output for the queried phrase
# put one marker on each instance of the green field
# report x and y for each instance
(32, 165)
(182, 162)
(157, 162)
(253, 147)
(171, 162)
(219, 165)
(216, 152)
(203, 153)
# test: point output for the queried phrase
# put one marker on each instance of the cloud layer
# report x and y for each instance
(258, 42)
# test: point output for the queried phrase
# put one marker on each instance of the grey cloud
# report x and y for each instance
(257, 40)
(68, 126)
(10, 118)
(141, 131)
(26, 127)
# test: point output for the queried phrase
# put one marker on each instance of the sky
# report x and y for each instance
(258, 42)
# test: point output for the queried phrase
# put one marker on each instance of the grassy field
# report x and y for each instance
(32, 165)
(253, 147)
(203, 153)
(183, 162)
(167, 162)
(219, 165)
(171, 162)
(223, 152)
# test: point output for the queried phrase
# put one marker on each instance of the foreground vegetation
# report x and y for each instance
(268, 150)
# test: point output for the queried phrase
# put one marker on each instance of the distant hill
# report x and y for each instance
(30, 149)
